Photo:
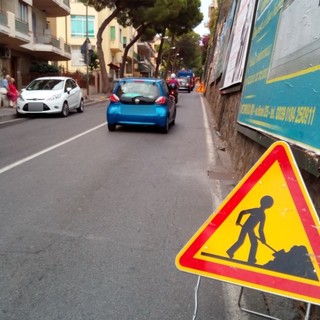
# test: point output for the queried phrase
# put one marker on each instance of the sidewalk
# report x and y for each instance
(7, 114)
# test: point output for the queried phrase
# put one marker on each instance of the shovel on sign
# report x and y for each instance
(275, 252)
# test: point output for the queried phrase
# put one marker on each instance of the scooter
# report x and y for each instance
(173, 90)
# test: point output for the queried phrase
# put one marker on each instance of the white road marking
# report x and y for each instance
(12, 120)
(230, 292)
(35, 155)
(211, 156)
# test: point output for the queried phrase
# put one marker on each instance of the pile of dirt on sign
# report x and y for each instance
(295, 262)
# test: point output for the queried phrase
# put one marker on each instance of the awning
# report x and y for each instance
(113, 66)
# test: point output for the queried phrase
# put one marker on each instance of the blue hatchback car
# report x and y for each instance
(141, 101)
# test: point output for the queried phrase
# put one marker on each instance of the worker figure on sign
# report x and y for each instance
(257, 216)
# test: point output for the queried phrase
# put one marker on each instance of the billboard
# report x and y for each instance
(238, 46)
(222, 43)
(281, 93)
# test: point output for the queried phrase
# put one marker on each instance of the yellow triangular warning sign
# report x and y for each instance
(201, 88)
(265, 235)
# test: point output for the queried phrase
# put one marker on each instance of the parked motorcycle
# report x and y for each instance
(173, 90)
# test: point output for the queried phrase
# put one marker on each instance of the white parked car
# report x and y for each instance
(50, 95)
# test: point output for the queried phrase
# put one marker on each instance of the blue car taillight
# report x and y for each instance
(161, 100)
(114, 98)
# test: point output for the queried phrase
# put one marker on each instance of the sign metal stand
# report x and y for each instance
(266, 315)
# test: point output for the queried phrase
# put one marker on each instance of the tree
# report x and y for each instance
(148, 21)
(189, 50)
(119, 8)
(188, 17)
(94, 62)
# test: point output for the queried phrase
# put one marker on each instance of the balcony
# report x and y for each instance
(13, 32)
(145, 65)
(144, 48)
(53, 8)
(116, 46)
(48, 47)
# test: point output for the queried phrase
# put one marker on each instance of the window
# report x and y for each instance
(120, 35)
(79, 26)
(113, 33)
(145, 89)
(23, 11)
(124, 41)
(70, 83)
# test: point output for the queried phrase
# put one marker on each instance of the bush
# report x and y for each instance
(43, 68)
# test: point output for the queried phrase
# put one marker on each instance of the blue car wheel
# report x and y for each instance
(111, 127)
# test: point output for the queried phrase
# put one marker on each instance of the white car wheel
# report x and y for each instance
(65, 110)
(81, 106)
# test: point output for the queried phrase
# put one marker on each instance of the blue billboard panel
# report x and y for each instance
(281, 93)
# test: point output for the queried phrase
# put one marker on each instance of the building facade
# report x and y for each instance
(84, 22)
(54, 31)
(27, 37)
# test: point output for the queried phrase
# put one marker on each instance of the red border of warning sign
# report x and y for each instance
(281, 153)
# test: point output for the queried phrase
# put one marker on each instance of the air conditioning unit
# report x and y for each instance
(5, 52)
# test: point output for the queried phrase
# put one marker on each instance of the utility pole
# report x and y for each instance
(87, 49)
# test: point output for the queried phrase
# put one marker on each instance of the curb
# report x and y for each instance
(10, 114)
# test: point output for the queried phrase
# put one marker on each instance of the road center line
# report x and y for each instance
(35, 155)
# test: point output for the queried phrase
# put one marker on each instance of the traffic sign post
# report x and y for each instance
(265, 235)
(201, 88)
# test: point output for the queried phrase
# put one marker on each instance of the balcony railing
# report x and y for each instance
(3, 19)
(13, 31)
(116, 46)
(47, 39)
(21, 26)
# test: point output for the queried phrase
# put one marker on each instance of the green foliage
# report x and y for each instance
(43, 68)
(94, 62)
(186, 53)
(187, 18)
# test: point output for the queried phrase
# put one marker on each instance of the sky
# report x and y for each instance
(200, 29)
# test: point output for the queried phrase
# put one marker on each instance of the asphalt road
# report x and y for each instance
(91, 221)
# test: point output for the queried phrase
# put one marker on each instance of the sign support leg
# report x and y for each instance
(308, 311)
(266, 315)
(251, 311)
(196, 298)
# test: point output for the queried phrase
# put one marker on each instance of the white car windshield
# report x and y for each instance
(45, 84)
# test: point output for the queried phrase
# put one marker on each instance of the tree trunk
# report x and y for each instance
(169, 58)
(159, 58)
(104, 73)
(127, 48)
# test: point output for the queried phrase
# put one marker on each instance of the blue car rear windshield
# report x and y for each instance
(143, 89)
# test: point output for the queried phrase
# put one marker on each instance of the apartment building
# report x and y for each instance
(84, 22)
(26, 36)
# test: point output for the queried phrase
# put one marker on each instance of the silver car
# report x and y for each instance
(50, 95)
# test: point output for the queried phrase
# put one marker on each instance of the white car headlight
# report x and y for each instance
(55, 97)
